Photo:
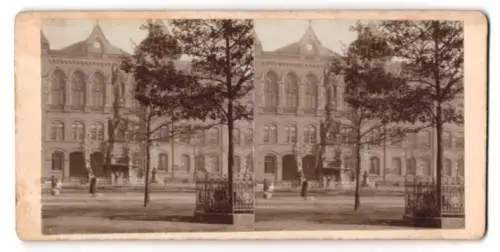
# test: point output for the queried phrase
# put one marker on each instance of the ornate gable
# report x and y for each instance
(95, 45)
(308, 45)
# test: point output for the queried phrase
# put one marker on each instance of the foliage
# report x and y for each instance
(432, 55)
(222, 56)
(221, 53)
(375, 97)
(167, 95)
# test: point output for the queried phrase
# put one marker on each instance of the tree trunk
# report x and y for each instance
(439, 158)
(438, 121)
(148, 143)
(357, 149)
(229, 111)
(172, 149)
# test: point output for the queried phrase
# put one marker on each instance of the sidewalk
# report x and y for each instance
(190, 188)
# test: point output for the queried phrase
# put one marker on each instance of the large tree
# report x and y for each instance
(222, 53)
(375, 96)
(166, 95)
(432, 53)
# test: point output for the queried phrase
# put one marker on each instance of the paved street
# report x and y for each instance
(169, 212)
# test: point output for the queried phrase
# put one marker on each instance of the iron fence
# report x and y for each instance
(212, 193)
(421, 197)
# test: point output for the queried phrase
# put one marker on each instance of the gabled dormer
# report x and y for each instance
(96, 45)
(308, 45)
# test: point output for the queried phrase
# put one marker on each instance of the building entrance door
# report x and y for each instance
(289, 171)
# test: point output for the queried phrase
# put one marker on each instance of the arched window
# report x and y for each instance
(163, 162)
(271, 91)
(236, 164)
(424, 139)
(249, 163)
(291, 133)
(136, 160)
(200, 137)
(348, 163)
(311, 92)
(447, 164)
(164, 133)
(374, 165)
(447, 139)
(78, 131)
(213, 163)
(396, 166)
(199, 163)
(291, 91)
(185, 138)
(78, 89)
(57, 161)
(459, 142)
(460, 167)
(98, 90)
(97, 132)
(270, 163)
(270, 133)
(236, 136)
(57, 131)
(411, 166)
(186, 163)
(310, 134)
(58, 88)
(213, 136)
(249, 136)
(426, 166)
(412, 140)
(333, 97)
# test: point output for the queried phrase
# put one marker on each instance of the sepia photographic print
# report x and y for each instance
(220, 125)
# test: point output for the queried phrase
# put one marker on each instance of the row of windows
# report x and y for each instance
(206, 163)
(292, 93)
(271, 134)
(209, 163)
(78, 89)
(270, 165)
(57, 131)
(396, 167)
(422, 139)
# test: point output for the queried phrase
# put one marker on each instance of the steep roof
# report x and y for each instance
(308, 44)
(96, 42)
(44, 41)
(257, 42)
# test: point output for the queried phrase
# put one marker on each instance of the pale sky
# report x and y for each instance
(334, 34)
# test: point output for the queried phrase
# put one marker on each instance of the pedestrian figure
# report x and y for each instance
(303, 191)
(365, 179)
(92, 184)
(268, 189)
(153, 175)
(54, 190)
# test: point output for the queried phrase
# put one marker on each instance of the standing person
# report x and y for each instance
(303, 191)
(92, 184)
(153, 176)
(54, 190)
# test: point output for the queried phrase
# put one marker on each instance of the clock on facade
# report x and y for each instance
(96, 44)
(309, 47)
